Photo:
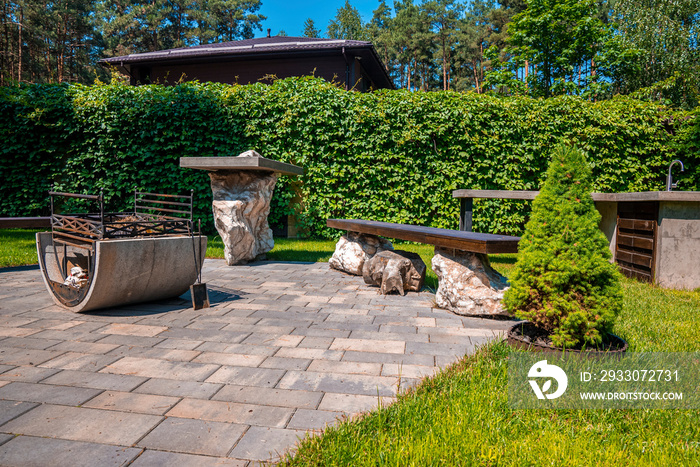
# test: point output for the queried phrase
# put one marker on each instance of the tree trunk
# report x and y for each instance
(19, 45)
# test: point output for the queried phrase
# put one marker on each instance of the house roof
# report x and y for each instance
(264, 47)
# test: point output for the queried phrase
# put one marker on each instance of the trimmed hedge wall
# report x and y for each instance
(389, 155)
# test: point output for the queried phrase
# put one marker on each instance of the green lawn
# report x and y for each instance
(462, 417)
(17, 247)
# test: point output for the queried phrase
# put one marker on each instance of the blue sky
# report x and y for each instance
(290, 15)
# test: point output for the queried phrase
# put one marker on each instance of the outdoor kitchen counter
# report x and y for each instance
(653, 235)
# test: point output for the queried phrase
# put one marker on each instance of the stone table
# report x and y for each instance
(242, 187)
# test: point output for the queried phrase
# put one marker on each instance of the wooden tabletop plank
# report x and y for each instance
(460, 240)
(681, 196)
(240, 163)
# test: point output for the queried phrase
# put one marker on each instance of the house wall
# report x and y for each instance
(249, 71)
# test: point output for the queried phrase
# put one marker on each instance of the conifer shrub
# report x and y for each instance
(563, 281)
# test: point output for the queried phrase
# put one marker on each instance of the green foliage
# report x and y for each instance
(348, 24)
(564, 281)
(665, 35)
(391, 155)
(310, 29)
(557, 42)
(37, 133)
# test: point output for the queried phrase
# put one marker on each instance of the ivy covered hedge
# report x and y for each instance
(389, 155)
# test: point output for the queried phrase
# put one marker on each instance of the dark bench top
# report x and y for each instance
(25, 222)
(457, 239)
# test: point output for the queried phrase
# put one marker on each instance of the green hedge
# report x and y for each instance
(388, 155)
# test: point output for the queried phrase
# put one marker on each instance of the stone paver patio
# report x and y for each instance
(285, 349)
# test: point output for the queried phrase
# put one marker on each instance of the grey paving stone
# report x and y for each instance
(389, 336)
(444, 361)
(339, 383)
(343, 319)
(237, 348)
(30, 343)
(273, 340)
(269, 396)
(405, 321)
(352, 403)
(80, 361)
(27, 374)
(72, 334)
(316, 342)
(258, 327)
(83, 424)
(232, 412)
(171, 387)
(266, 444)
(181, 344)
(207, 324)
(298, 352)
(460, 340)
(135, 341)
(328, 366)
(15, 321)
(263, 377)
(290, 315)
(286, 363)
(46, 393)
(205, 335)
(15, 356)
(13, 409)
(132, 329)
(86, 379)
(60, 324)
(40, 452)
(154, 368)
(438, 349)
(194, 436)
(370, 357)
(4, 438)
(151, 458)
(303, 323)
(85, 347)
(305, 419)
(369, 345)
(160, 353)
(232, 359)
(408, 371)
(339, 328)
(132, 402)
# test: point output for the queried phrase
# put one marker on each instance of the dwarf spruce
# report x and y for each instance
(563, 281)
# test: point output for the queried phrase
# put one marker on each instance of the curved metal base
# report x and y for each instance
(125, 271)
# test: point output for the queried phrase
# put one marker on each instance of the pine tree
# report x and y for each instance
(563, 281)
(310, 29)
(348, 24)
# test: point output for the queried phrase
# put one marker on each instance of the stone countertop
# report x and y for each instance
(679, 196)
(240, 163)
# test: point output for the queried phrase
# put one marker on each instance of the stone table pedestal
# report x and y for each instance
(242, 187)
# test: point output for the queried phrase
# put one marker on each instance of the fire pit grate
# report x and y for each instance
(154, 215)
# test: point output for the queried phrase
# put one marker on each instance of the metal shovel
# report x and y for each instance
(198, 291)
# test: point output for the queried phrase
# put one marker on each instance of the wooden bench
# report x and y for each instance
(456, 239)
(25, 222)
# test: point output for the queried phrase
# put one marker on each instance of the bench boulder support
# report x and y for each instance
(468, 285)
(353, 249)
